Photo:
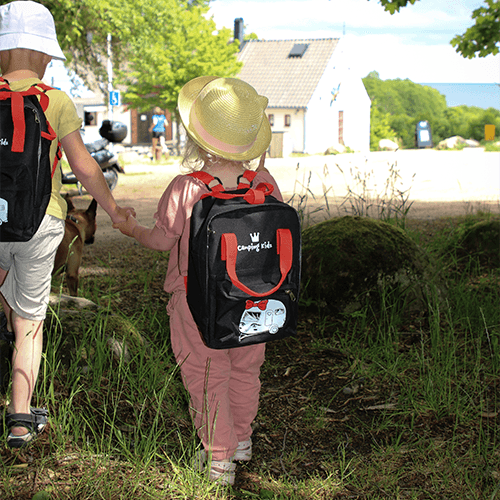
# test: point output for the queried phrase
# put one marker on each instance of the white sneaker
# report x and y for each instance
(244, 451)
(224, 472)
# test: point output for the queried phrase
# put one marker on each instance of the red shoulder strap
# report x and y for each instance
(17, 107)
(204, 177)
(208, 180)
(4, 84)
(253, 196)
(50, 135)
(248, 178)
(58, 156)
(245, 181)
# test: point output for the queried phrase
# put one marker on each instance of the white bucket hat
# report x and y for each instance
(28, 25)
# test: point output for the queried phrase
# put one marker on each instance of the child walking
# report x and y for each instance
(28, 43)
(227, 127)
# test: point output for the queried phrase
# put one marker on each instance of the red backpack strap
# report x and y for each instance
(17, 107)
(56, 158)
(253, 196)
(4, 84)
(284, 248)
(50, 134)
(43, 86)
(248, 178)
(40, 89)
(18, 136)
(208, 180)
(44, 98)
(204, 177)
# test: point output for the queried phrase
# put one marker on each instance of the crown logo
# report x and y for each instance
(254, 237)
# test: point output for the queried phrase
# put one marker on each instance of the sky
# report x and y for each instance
(413, 44)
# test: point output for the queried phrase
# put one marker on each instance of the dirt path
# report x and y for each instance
(144, 183)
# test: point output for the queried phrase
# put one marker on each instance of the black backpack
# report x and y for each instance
(25, 169)
(244, 264)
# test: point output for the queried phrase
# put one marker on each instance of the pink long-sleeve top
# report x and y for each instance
(173, 217)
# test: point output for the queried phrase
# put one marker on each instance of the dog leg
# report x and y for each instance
(72, 267)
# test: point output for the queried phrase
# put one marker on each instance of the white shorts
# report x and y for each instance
(29, 264)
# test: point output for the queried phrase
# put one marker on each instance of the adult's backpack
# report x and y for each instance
(244, 264)
(25, 169)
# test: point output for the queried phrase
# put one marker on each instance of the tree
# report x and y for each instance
(379, 127)
(481, 118)
(398, 105)
(82, 27)
(161, 61)
(151, 38)
(481, 39)
(456, 122)
(406, 103)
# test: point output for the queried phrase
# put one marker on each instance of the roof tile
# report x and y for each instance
(288, 82)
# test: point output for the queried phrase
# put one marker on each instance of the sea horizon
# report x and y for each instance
(481, 95)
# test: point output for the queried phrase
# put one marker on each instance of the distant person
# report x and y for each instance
(28, 43)
(157, 130)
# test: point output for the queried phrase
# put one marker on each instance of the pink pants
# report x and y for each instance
(224, 385)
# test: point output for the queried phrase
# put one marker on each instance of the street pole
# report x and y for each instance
(110, 79)
(110, 86)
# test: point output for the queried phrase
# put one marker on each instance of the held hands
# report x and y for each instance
(120, 214)
(127, 226)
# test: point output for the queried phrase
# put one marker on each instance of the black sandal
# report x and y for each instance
(4, 333)
(35, 422)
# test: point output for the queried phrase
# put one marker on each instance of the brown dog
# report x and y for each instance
(80, 229)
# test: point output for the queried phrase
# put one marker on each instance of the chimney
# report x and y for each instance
(238, 30)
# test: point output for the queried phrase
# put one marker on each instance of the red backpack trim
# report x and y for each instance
(17, 106)
(254, 196)
(229, 254)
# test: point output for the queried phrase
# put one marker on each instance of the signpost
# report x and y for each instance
(114, 98)
(489, 132)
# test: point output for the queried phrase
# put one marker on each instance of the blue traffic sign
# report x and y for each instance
(114, 98)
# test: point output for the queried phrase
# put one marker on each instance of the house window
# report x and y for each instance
(89, 118)
(298, 50)
(271, 120)
(288, 120)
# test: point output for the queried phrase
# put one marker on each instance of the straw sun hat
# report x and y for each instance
(29, 25)
(225, 116)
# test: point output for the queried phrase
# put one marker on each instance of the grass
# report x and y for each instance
(386, 407)
(364, 198)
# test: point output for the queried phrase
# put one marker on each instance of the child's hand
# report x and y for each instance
(127, 226)
(261, 167)
(121, 213)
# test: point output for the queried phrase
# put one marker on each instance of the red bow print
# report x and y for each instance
(261, 305)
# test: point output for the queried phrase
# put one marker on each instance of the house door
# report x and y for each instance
(341, 127)
(276, 147)
(143, 123)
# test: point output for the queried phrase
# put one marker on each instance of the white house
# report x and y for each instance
(315, 100)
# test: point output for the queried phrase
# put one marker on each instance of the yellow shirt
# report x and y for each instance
(62, 115)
